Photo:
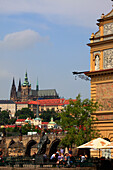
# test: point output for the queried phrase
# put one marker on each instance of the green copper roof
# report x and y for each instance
(37, 118)
(26, 82)
(52, 122)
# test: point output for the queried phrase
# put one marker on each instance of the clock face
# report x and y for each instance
(97, 62)
(108, 59)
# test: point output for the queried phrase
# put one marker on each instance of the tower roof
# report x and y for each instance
(26, 82)
(19, 86)
(13, 82)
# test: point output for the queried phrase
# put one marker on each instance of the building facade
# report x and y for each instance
(25, 93)
(8, 105)
(48, 104)
(101, 74)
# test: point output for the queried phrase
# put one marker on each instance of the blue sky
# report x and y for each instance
(48, 39)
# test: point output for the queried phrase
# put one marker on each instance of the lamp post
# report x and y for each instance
(81, 74)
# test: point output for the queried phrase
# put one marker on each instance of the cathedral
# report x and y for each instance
(25, 93)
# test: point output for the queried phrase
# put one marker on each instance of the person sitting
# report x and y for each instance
(70, 151)
(60, 159)
(82, 158)
(65, 159)
(53, 157)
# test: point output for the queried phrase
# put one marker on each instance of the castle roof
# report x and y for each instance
(48, 92)
(44, 93)
(53, 102)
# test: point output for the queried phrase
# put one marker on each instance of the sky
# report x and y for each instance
(48, 39)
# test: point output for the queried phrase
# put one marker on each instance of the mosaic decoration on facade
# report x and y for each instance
(97, 34)
(108, 29)
(108, 59)
(104, 96)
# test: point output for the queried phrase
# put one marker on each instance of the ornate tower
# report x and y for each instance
(25, 89)
(101, 73)
(13, 91)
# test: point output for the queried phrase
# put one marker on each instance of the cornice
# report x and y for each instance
(100, 43)
(99, 72)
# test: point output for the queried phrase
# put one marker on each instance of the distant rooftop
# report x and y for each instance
(6, 102)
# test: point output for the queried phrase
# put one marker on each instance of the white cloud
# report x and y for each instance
(21, 40)
(77, 12)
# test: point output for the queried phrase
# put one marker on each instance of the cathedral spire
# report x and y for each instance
(19, 86)
(26, 82)
(26, 78)
(13, 84)
(13, 91)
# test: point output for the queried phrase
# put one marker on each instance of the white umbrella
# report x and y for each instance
(98, 143)
(109, 146)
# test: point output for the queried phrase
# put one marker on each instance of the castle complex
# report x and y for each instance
(101, 74)
(25, 93)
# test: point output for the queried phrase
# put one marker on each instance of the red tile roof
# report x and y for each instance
(32, 102)
(53, 102)
(9, 126)
(45, 123)
(48, 102)
(20, 120)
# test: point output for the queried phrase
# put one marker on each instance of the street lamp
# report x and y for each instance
(81, 74)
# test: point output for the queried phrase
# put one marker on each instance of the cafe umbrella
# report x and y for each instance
(98, 143)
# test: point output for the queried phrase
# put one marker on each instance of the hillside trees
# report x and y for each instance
(4, 117)
(24, 113)
(46, 115)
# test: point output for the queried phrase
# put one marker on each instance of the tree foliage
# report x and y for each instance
(24, 113)
(46, 115)
(77, 120)
(4, 117)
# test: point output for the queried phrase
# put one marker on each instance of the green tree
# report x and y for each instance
(46, 115)
(24, 113)
(4, 117)
(11, 121)
(28, 128)
(77, 120)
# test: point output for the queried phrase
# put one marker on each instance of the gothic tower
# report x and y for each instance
(19, 86)
(13, 91)
(101, 73)
(25, 89)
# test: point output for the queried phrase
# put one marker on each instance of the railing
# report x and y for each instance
(30, 162)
